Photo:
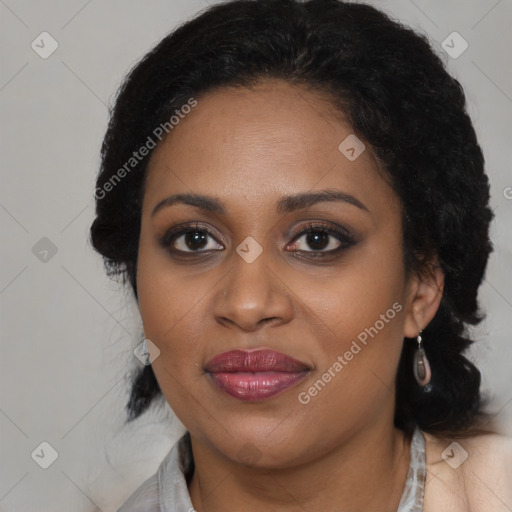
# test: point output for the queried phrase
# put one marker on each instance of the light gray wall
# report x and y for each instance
(67, 331)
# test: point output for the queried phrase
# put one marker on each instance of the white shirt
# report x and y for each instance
(167, 490)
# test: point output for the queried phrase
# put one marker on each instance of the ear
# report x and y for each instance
(424, 293)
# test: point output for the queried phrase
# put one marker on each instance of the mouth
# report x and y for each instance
(255, 375)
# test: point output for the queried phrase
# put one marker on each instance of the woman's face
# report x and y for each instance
(245, 278)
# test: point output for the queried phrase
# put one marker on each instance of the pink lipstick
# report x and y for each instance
(255, 375)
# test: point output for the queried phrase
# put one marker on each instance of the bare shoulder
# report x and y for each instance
(472, 474)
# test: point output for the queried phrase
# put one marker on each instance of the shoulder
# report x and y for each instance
(144, 498)
(167, 488)
(468, 474)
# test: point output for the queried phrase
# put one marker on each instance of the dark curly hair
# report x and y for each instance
(398, 97)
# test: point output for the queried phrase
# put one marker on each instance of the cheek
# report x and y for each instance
(357, 358)
(361, 309)
(169, 304)
(356, 293)
(168, 301)
(169, 308)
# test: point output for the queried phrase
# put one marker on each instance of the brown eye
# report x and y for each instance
(321, 239)
(190, 240)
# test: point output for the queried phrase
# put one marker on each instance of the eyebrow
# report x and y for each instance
(286, 204)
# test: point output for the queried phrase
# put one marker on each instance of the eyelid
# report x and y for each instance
(328, 226)
(176, 231)
(340, 233)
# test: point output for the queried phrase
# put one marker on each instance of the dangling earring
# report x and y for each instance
(421, 366)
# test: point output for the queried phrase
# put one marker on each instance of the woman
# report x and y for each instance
(295, 193)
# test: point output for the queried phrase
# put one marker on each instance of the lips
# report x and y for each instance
(255, 375)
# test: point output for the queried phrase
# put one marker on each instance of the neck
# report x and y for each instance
(366, 472)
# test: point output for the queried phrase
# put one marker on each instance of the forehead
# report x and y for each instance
(260, 143)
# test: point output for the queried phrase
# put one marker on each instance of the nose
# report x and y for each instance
(252, 295)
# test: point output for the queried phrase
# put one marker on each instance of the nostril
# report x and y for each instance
(267, 320)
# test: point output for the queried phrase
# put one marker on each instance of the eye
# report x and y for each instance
(189, 239)
(323, 240)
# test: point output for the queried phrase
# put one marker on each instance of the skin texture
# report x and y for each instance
(249, 148)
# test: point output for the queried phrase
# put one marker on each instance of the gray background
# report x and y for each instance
(67, 331)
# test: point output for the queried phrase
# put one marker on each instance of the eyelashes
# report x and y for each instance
(199, 235)
(322, 235)
(195, 240)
